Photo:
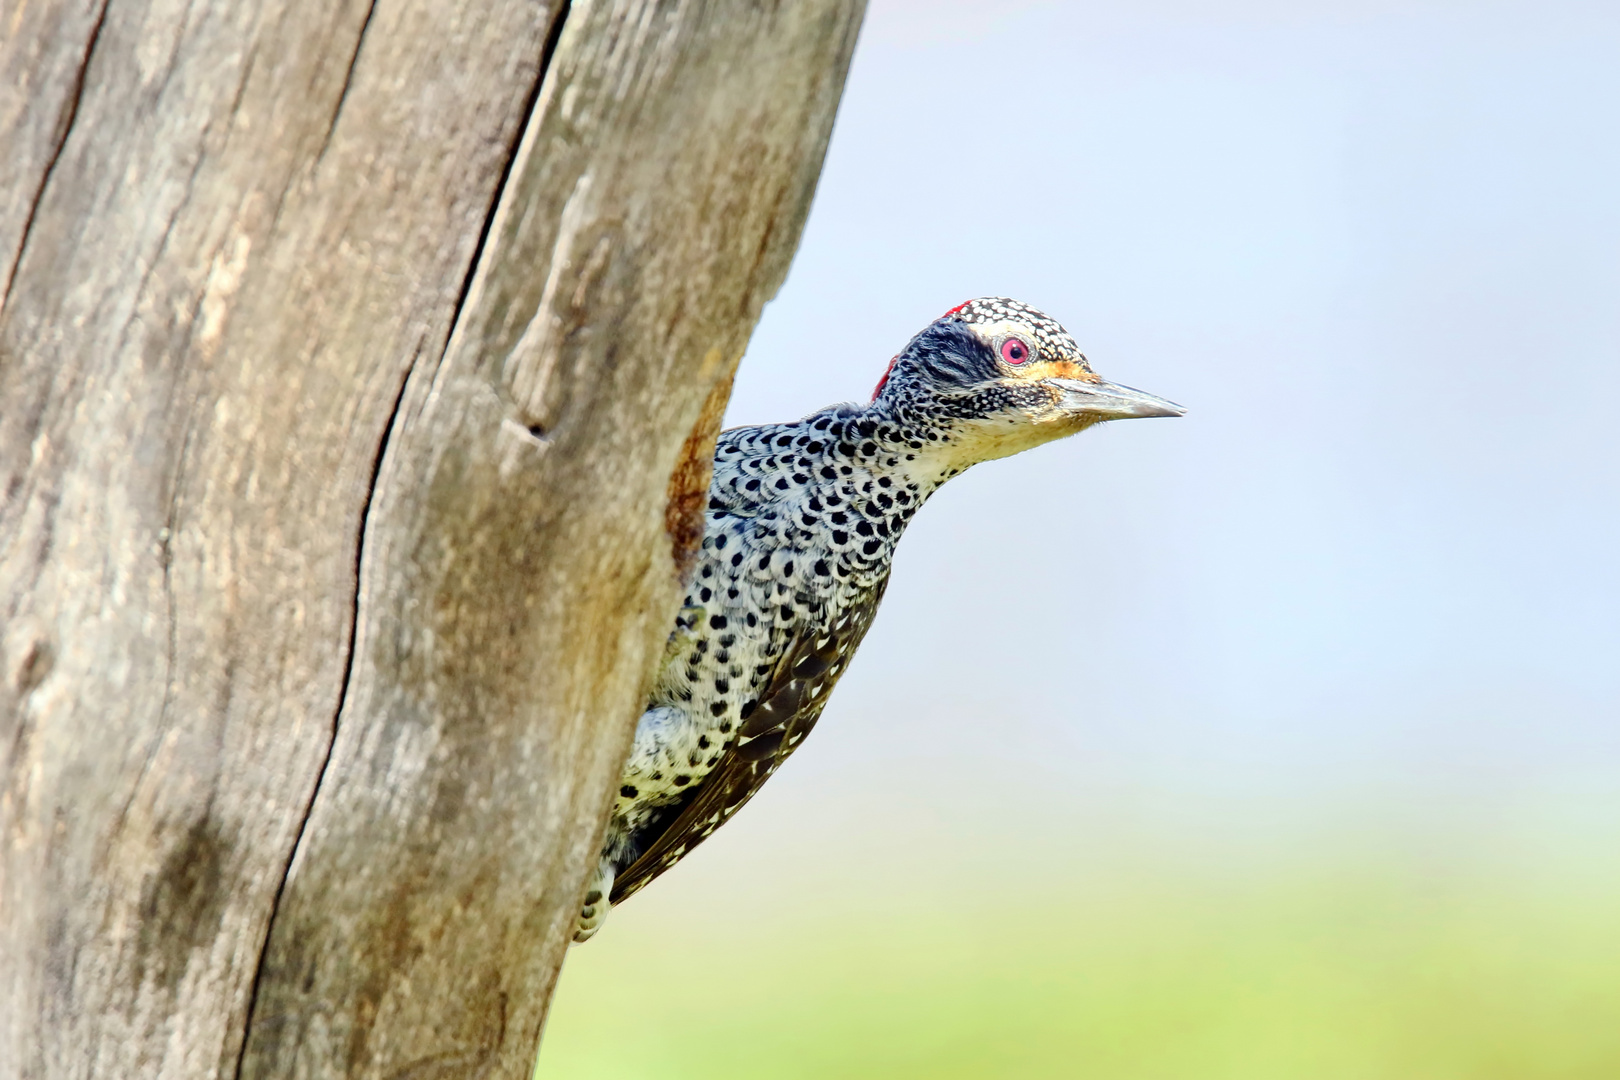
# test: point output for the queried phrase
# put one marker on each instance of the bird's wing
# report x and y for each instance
(788, 708)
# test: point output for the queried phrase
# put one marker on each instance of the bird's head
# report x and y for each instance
(994, 376)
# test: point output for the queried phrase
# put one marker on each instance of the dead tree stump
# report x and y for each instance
(360, 365)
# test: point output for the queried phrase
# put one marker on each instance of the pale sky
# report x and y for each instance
(1372, 576)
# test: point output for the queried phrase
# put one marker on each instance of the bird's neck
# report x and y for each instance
(847, 479)
(893, 448)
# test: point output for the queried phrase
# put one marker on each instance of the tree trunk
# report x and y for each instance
(360, 366)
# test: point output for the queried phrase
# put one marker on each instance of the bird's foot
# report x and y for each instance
(595, 910)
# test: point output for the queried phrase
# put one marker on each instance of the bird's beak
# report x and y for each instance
(1108, 401)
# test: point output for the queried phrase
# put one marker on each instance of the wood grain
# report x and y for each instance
(347, 352)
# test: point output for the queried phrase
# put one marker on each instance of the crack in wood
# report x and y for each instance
(547, 52)
(394, 420)
(166, 539)
(348, 81)
(70, 114)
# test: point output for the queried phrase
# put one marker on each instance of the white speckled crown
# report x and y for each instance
(1052, 342)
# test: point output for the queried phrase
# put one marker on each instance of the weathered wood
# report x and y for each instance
(340, 518)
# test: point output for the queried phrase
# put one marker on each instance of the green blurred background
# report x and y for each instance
(1325, 973)
(1278, 741)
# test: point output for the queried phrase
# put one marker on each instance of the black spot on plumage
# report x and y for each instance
(717, 621)
(628, 791)
(682, 780)
(718, 708)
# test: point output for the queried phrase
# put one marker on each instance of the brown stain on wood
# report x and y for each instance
(688, 488)
(182, 906)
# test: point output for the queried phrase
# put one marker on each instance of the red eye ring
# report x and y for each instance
(1014, 351)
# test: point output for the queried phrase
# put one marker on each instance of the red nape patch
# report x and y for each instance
(885, 380)
(955, 309)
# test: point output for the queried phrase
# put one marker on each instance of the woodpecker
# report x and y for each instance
(802, 522)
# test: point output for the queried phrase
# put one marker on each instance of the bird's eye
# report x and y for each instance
(1014, 351)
